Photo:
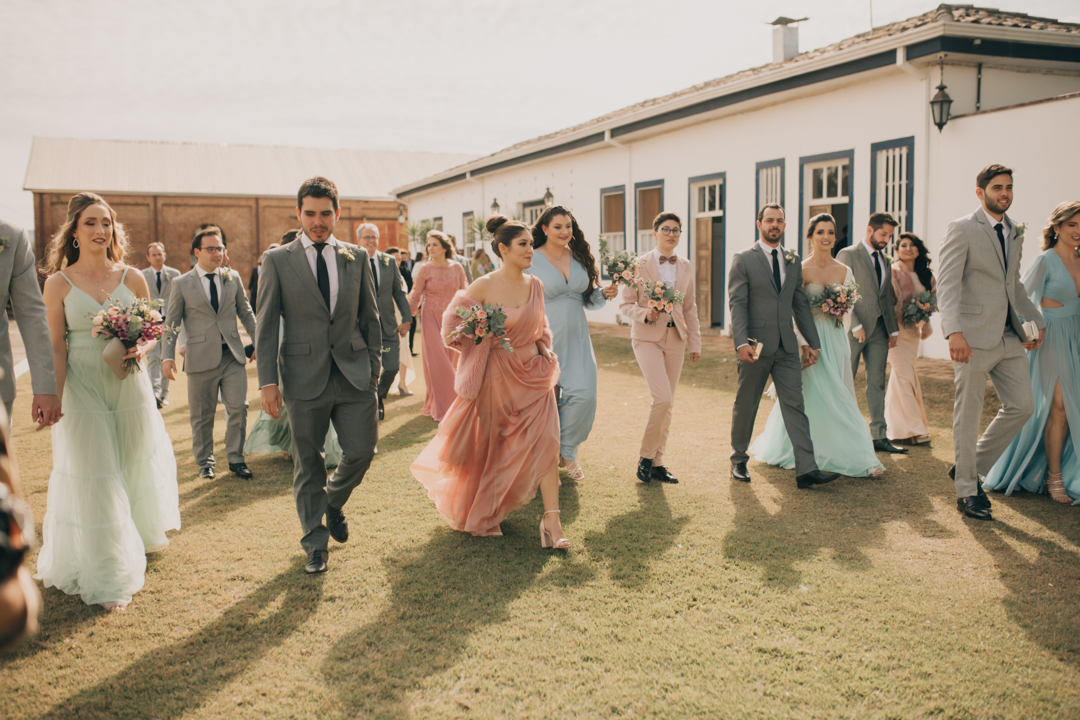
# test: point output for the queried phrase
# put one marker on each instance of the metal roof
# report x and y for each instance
(168, 168)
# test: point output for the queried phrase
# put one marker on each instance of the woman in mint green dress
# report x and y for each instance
(841, 437)
(1043, 457)
(565, 264)
(112, 492)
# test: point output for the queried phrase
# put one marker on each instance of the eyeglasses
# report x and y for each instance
(671, 232)
(213, 250)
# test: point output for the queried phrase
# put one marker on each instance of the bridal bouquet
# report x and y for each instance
(128, 325)
(479, 322)
(620, 267)
(662, 298)
(919, 309)
(836, 301)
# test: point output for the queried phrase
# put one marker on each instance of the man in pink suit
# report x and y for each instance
(661, 338)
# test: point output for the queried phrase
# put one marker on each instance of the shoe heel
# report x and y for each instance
(545, 537)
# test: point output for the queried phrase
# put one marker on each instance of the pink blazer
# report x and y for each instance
(635, 305)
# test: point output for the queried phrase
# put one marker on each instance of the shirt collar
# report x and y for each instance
(768, 250)
(308, 242)
(1004, 220)
(671, 257)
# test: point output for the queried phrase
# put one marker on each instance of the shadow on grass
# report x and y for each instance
(841, 518)
(415, 431)
(175, 681)
(633, 541)
(1042, 594)
(441, 595)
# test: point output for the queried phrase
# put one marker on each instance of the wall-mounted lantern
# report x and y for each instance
(401, 214)
(549, 199)
(941, 104)
(494, 206)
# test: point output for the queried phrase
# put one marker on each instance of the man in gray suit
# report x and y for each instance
(208, 300)
(159, 277)
(765, 292)
(875, 329)
(19, 285)
(323, 291)
(459, 258)
(983, 308)
(389, 289)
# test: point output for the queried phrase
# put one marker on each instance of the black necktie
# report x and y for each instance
(374, 273)
(1001, 239)
(776, 271)
(877, 270)
(213, 291)
(159, 282)
(322, 275)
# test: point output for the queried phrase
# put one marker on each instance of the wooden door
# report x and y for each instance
(718, 270)
(703, 266)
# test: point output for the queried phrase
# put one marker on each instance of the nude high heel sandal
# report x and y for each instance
(1055, 487)
(545, 537)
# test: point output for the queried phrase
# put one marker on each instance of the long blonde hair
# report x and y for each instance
(62, 250)
(1062, 213)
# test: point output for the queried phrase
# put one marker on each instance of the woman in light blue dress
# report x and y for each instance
(565, 264)
(1044, 455)
(841, 437)
(112, 492)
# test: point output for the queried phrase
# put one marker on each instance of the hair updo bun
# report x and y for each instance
(503, 231)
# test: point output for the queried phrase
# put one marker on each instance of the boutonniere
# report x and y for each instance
(888, 258)
(790, 257)
(346, 253)
(386, 260)
(226, 274)
(5, 243)
(1020, 230)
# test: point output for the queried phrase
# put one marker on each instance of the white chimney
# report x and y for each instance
(785, 38)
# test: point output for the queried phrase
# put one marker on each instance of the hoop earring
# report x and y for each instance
(76, 243)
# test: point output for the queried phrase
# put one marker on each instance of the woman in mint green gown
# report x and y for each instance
(565, 264)
(1054, 428)
(268, 435)
(841, 437)
(112, 493)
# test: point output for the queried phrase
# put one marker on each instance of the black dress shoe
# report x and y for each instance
(160, 403)
(382, 410)
(335, 521)
(240, 470)
(739, 472)
(206, 472)
(981, 494)
(815, 478)
(883, 445)
(316, 563)
(659, 472)
(644, 470)
(973, 507)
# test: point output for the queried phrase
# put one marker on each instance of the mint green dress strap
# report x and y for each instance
(61, 273)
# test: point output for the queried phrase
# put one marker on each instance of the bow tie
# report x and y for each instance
(666, 259)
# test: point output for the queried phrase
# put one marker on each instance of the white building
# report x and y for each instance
(845, 129)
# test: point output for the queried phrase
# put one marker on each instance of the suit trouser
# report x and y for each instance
(230, 378)
(157, 378)
(876, 352)
(1007, 366)
(786, 371)
(355, 415)
(7, 406)
(391, 356)
(661, 364)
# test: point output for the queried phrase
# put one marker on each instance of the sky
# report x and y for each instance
(466, 76)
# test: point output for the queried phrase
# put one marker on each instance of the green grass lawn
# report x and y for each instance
(866, 598)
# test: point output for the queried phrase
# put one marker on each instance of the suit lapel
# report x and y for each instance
(344, 282)
(767, 263)
(980, 217)
(298, 262)
(196, 280)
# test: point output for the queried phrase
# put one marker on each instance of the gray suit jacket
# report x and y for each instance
(975, 291)
(759, 311)
(464, 262)
(207, 330)
(875, 300)
(19, 284)
(168, 275)
(351, 336)
(391, 290)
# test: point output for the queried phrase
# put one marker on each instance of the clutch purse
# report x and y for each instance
(755, 346)
(1031, 330)
(113, 355)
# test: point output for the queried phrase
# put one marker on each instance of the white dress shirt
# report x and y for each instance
(779, 257)
(216, 275)
(668, 272)
(1006, 230)
(329, 254)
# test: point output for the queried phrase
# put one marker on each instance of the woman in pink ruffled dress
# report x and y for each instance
(435, 284)
(499, 441)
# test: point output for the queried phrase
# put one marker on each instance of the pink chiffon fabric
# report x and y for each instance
(436, 287)
(905, 414)
(491, 452)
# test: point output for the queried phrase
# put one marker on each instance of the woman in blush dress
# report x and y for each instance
(435, 284)
(500, 439)
(904, 413)
(565, 264)
(841, 436)
(1044, 455)
(112, 492)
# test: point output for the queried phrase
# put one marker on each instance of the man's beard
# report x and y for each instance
(993, 207)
